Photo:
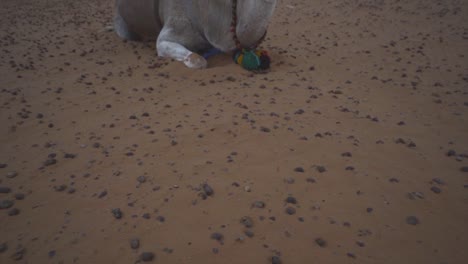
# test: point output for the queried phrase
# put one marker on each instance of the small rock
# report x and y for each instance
(50, 162)
(69, 156)
(291, 200)
(438, 181)
(141, 179)
(3, 247)
(259, 204)
(3, 165)
(51, 253)
(217, 236)
(464, 169)
(117, 213)
(102, 194)
(135, 243)
(161, 218)
(394, 180)
(299, 169)
(321, 242)
(19, 253)
(12, 174)
(290, 210)
(436, 189)
(5, 189)
(5, 204)
(207, 189)
(19, 196)
(265, 129)
(147, 256)
(412, 220)
(249, 233)
(13, 212)
(321, 169)
(275, 260)
(60, 188)
(247, 221)
(451, 153)
(247, 189)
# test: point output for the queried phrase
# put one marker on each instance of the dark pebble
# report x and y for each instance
(161, 218)
(291, 200)
(51, 253)
(321, 242)
(249, 233)
(451, 153)
(321, 169)
(394, 180)
(436, 189)
(259, 204)
(146, 216)
(135, 243)
(141, 179)
(147, 256)
(71, 190)
(369, 210)
(19, 253)
(464, 169)
(217, 236)
(351, 255)
(438, 181)
(60, 188)
(5, 204)
(19, 196)
(117, 213)
(412, 220)
(299, 169)
(69, 156)
(265, 129)
(247, 221)
(50, 162)
(12, 174)
(3, 247)
(3, 165)
(102, 194)
(275, 260)
(5, 189)
(207, 189)
(13, 212)
(290, 210)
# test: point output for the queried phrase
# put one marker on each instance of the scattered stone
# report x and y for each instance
(11, 174)
(50, 162)
(414, 195)
(249, 233)
(13, 212)
(3, 165)
(141, 179)
(146, 216)
(217, 236)
(265, 129)
(5, 204)
(5, 189)
(19, 253)
(71, 190)
(275, 260)
(69, 156)
(247, 189)
(291, 200)
(451, 153)
(19, 196)
(259, 204)
(438, 181)
(464, 169)
(147, 256)
(51, 253)
(102, 194)
(161, 218)
(134, 243)
(299, 169)
(394, 180)
(290, 210)
(321, 169)
(247, 221)
(369, 210)
(321, 242)
(412, 220)
(117, 213)
(436, 189)
(60, 188)
(3, 247)
(289, 180)
(207, 189)
(351, 255)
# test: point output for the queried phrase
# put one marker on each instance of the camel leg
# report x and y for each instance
(171, 49)
(122, 29)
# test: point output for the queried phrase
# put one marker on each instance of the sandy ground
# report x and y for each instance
(362, 121)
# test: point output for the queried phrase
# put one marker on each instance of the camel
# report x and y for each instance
(183, 29)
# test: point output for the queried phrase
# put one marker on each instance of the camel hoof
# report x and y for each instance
(195, 61)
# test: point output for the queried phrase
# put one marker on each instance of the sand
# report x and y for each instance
(363, 119)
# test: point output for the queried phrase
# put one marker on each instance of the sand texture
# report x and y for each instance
(352, 149)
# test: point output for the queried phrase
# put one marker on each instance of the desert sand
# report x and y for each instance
(352, 149)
